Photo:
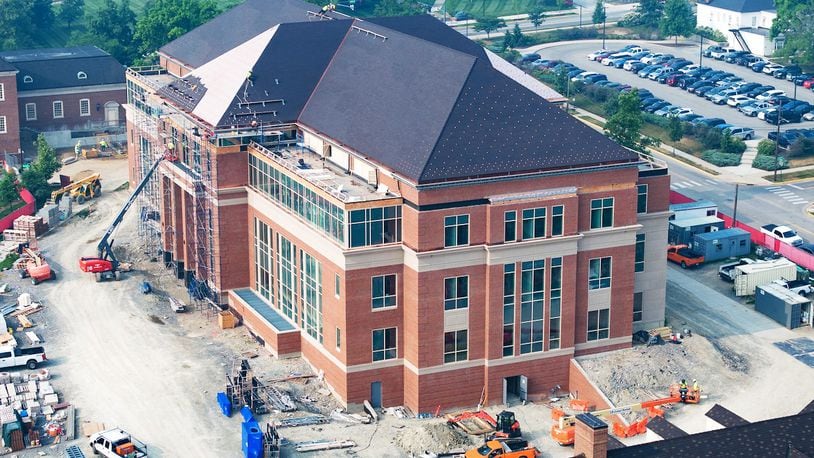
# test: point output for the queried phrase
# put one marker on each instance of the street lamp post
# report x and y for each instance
(735, 211)
(701, 52)
(580, 16)
(604, 21)
(777, 142)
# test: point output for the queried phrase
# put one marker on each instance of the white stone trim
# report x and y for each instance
(603, 343)
(71, 90)
(524, 358)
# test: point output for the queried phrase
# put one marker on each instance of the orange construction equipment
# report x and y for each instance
(32, 264)
(562, 431)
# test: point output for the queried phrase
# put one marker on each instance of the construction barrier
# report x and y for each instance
(795, 255)
(29, 208)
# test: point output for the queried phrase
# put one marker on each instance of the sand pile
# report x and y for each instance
(434, 437)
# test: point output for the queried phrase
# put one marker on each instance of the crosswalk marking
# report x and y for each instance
(798, 202)
(785, 193)
(797, 187)
(695, 183)
(711, 181)
(679, 185)
(771, 188)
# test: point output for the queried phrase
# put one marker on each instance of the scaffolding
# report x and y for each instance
(158, 126)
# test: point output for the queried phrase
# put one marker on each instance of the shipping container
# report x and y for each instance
(782, 305)
(750, 276)
(681, 232)
(723, 244)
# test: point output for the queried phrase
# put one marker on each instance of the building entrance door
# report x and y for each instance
(515, 389)
(112, 113)
(376, 394)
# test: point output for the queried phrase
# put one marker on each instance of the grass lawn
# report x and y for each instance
(782, 175)
(138, 5)
(492, 8)
(801, 161)
(14, 206)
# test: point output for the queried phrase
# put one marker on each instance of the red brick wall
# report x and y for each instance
(658, 192)
(232, 245)
(496, 232)
(281, 344)
(391, 378)
(70, 108)
(363, 319)
(543, 375)
(10, 141)
(232, 169)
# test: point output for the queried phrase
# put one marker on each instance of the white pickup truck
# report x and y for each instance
(801, 287)
(16, 356)
(116, 443)
(783, 233)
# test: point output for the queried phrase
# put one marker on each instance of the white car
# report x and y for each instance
(651, 57)
(609, 60)
(680, 112)
(595, 54)
(583, 75)
(688, 68)
(769, 94)
(809, 116)
(736, 100)
(629, 63)
(769, 69)
(744, 133)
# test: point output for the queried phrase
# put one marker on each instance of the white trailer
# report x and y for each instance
(750, 276)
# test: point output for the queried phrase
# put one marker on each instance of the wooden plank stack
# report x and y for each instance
(33, 225)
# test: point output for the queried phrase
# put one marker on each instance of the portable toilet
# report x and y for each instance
(783, 305)
(681, 232)
(722, 244)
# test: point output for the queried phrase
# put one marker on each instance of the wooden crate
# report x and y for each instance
(226, 320)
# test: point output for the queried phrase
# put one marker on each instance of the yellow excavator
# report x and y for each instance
(85, 186)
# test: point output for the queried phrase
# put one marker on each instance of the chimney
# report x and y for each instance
(590, 437)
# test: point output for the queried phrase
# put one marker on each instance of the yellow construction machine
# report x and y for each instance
(86, 185)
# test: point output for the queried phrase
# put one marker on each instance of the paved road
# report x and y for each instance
(576, 52)
(757, 205)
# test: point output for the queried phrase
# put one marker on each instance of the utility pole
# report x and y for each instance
(701, 52)
(580, 16)
(604, 20)
(777, 142)
(735, 211)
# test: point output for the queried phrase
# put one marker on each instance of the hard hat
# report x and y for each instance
(693, 380)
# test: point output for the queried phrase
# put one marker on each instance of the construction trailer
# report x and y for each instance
(681, 232)
(722, 244)
(783, 305)
(750, 276)
(692, 210)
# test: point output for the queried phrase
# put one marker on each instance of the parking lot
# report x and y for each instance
(576, 53)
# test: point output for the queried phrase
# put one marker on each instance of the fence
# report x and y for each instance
(28, 209)
(795, 255)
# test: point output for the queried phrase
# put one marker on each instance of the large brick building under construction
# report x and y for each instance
(395, 204)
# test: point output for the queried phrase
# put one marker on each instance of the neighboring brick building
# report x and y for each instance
(383, 199)
(65, 93)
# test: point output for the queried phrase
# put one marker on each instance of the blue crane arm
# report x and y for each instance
(105, 247)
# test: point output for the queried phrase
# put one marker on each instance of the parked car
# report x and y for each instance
(800, 79)
(646, 71)
(809, 116)
(783, 233)
(712, 74)
(682, 255)
(689, 68)
(662, 79)
(651, 57)
(531, 57)
(663, 111)
(751, 109)
(733, 55)
(758, 66)
(729, 79)
(747, 60)
(703, 90)
(809, 84)
(709, 122)
(595, 54)
(748, 87)
(15, 356)
(574, 72)
(721, 97)
(744, 133)
(701, 83)
(737, 99)
(759, 90)
(658, 72)
(804, 108)
(786, 116)
(620, 61)
(771, 68)
(689, 117)
(719, 54)
(698, 72)
(714, 48)
(656, 106)
(770, 93)
(679, 112)
(674, 78)
(685, 82)
(782, 73)
(594, 78)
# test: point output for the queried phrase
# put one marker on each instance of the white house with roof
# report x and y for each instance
(745, 23)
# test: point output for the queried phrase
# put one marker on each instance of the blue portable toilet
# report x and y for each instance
(252, 440)
(225, 404)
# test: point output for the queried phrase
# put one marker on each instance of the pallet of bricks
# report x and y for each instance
(34, 226)
(23, 400)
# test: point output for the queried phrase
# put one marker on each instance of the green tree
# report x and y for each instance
(795, 20)
(35, 179)
(537, 17)
(674, 129)
(70, 11)
(517, 35)
(16, 29)
(166, 20)
(625, 125)
(42, 15)
(8, 190)
(111, 28)
(678, 19)
(489, 25)
(398, 8)
(649, 13)
(600, 15)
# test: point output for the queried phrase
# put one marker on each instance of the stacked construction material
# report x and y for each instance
(33, 225)
(49, 214)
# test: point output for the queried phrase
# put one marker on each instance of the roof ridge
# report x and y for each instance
(325, 70)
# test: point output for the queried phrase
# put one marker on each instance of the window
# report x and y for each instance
(599, 273)
(338, 339)
(641, 198)
(384, 344)
(81, 76)
(510, 226)
(3, 128)
(84, 107)
(602, 213)
(598, 324)
(456, 230)
(30, 111)
(639, 264)
(375, 226)
(455, 346)
(556, 220)
(532, 281)
(263, 256)
(533, 223)
(287, 277)
(2, 92)
(383, 291)
(28, 79)
(337, 285)
(637, 307)
(456, 293)
(556, 303)
(58, 113)
(508, 309)
(311, 293)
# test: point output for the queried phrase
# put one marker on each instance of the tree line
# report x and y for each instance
(114, 26)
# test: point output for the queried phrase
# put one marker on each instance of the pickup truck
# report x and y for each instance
(16, 356)
(681, 254)
(727, 271)
(509, 448)
(783, 233)
(801, 287)
(116, 443)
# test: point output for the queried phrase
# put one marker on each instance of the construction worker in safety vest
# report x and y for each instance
(682, 389)
(696, 390)
(103, 145)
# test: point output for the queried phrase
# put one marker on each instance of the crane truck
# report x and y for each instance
(106, 266)
(562, 431)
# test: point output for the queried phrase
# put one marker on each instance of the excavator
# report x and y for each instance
(562, 431)
(106, 266)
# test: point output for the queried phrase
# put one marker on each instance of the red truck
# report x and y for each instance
(681, 254)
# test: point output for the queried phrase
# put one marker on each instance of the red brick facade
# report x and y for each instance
(71, 119)
(10, 139)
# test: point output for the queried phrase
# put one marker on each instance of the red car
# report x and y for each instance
(809, 84)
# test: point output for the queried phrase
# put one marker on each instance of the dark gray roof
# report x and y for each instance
(236, 26)
(725, 417)
(58, 68)
(742, 6)
(778, 437)
(413, 96)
